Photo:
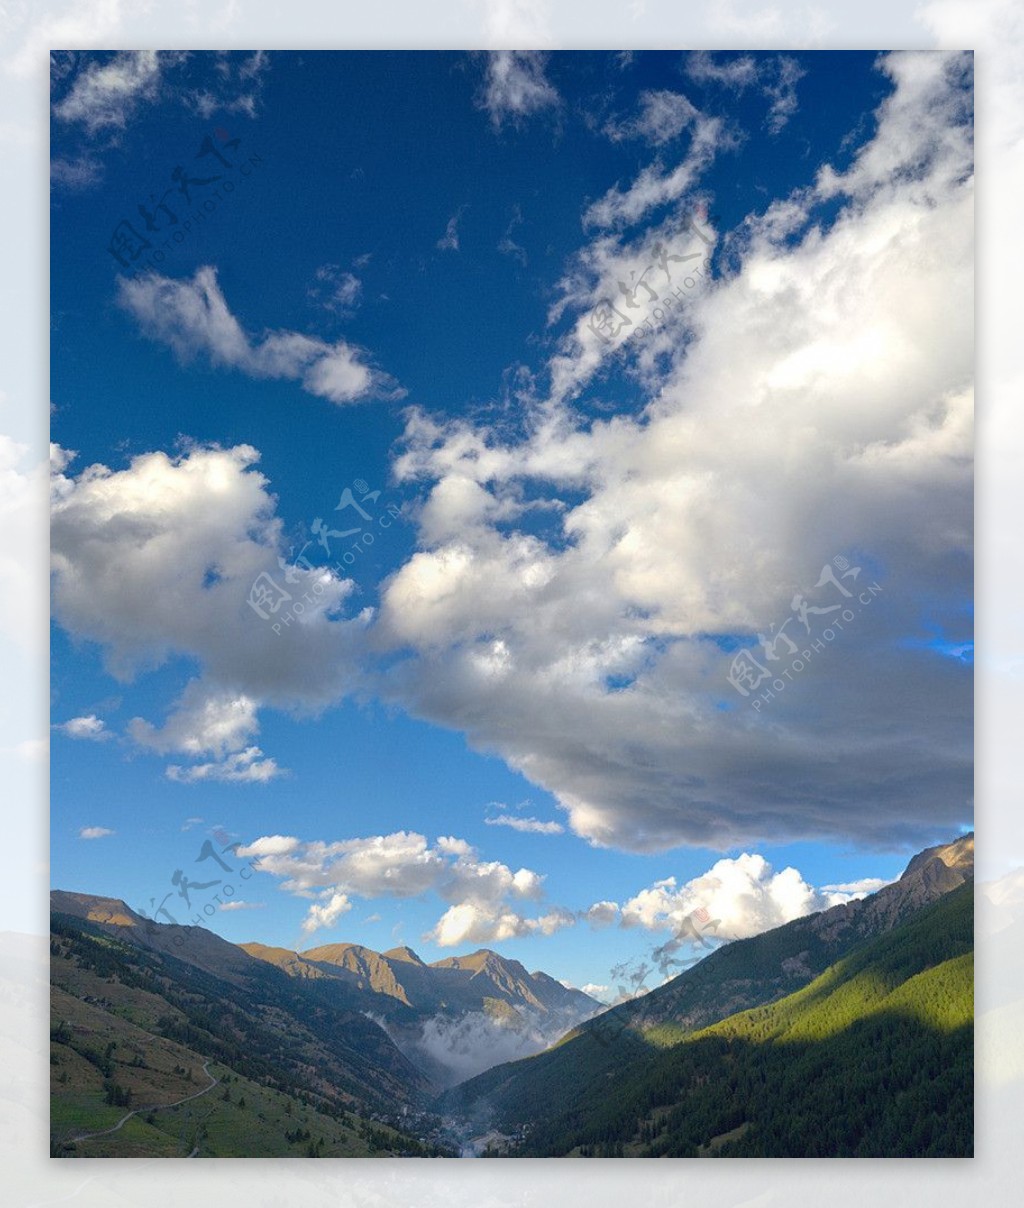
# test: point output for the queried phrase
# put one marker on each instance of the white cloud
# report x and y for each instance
(327, 913)
(76, 173)
(237, 88)
(470, 923)
(857, 889)
(515, 86)
(449, 241)
(157, 561)
(657, 185)
(663, 116)
(596, 991)
(745, 895)
(204, 721)
(106, 95)
(192, 317)
(595, 664)
(526, 825)
(242, 767)
(602, 914)
(507, 246)
(94, 832)
(736, 72)
(336, 289)
(775, 77)
(239, 904)
(90, 727)
(404, 865)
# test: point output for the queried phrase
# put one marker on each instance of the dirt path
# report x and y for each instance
(153, 1107)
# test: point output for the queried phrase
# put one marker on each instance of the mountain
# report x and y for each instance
(346, 1040)
(149, 1014)
(453, 1018)
(874, 1058)
(734, 978)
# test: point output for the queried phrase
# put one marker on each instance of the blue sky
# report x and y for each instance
(399, 294)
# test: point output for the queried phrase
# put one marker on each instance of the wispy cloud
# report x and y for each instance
(193, 318)
(515, 86)
(662, 117)
(449, 241)
(507, 246)
(526, 825)
(774, 76)
(105, 95)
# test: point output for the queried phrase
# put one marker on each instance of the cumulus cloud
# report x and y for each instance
(815, 401)
(602, 914)
(515, 86)
(745, 896)
(239, 904)
(89, 727)
(204, 721)
(405, 865)
(326, 914)
(471, 922)
(735, 899)
(193, 318)
(157, 561)
(94, 832)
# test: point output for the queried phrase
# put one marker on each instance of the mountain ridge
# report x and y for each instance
(736, 977)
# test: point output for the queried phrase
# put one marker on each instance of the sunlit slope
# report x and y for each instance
(872, 1058)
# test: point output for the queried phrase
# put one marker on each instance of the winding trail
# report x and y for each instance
(153, 1107)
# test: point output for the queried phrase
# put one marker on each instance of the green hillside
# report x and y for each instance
(212, 1068)
(872, 1058)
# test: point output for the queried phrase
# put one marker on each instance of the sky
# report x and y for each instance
(516, 500)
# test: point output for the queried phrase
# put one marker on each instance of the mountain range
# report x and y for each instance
(863, 1010)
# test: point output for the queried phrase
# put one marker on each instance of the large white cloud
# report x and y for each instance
(816, 402)
(483, 893)
(745, 895)
(158, 561)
